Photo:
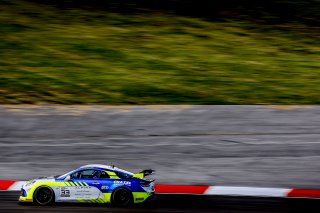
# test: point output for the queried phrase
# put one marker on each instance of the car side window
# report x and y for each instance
(122, 175)
(100, 174)
(104, 175)
(89, 174)
(84, 174)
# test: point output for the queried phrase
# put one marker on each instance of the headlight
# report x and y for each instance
(23, 193)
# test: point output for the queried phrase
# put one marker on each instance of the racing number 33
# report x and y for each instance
(64, 192)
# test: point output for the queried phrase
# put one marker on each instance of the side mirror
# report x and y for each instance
(67, 178)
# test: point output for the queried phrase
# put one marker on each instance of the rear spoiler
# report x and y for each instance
(144, 173)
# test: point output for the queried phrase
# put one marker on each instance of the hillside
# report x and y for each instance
(81, 56)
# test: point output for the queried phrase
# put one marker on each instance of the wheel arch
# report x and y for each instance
(122, 187)
(43, 186)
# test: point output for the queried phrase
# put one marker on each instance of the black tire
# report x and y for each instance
(43, 196)
(122, 197)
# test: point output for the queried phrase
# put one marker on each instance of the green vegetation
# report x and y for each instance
(48, 55)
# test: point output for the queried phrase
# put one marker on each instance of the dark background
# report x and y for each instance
(273, 11)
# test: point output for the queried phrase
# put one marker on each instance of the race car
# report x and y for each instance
(91, 184)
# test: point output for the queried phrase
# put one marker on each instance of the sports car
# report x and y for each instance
(91, 184)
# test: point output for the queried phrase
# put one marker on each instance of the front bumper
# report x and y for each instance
(25, 200)
(23, 196)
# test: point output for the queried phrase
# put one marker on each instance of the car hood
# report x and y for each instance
(42, 179)
(30, 183)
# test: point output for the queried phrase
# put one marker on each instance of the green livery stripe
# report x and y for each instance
(72, 183)
(81, 184)
(80, 200)
(85, 184)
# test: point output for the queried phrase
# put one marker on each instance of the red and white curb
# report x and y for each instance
(10, 185)
(238, 191)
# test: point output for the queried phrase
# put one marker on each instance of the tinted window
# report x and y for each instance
(84, 174)
(89, 174)
(104, 175)
(123, 175)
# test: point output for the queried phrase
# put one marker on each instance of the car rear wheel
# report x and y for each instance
(43, 196)
(122, 197)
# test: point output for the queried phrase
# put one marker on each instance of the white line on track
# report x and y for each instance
(247, 191)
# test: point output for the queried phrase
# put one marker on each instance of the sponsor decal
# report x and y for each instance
(139, 198)
(83, 190)
(104, 187)
(128, 183)
(82, 187)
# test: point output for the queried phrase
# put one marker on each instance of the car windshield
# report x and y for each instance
(65, 175)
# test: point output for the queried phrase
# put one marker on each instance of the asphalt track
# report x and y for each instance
(173, 203)
(260, 146)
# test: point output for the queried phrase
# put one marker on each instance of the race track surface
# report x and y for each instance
(261, 146)
(173, 203)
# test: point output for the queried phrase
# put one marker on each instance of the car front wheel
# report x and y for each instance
(43, 196)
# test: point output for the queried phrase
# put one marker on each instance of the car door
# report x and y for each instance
(82, 187)
(105, 182)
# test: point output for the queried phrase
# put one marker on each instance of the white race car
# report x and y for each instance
(91, 184)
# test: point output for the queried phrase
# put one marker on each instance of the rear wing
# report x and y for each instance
(144, 173)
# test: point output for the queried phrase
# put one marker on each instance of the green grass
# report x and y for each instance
(81, 57)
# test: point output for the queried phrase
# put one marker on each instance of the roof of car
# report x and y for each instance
(97, 165)
(102, 166)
